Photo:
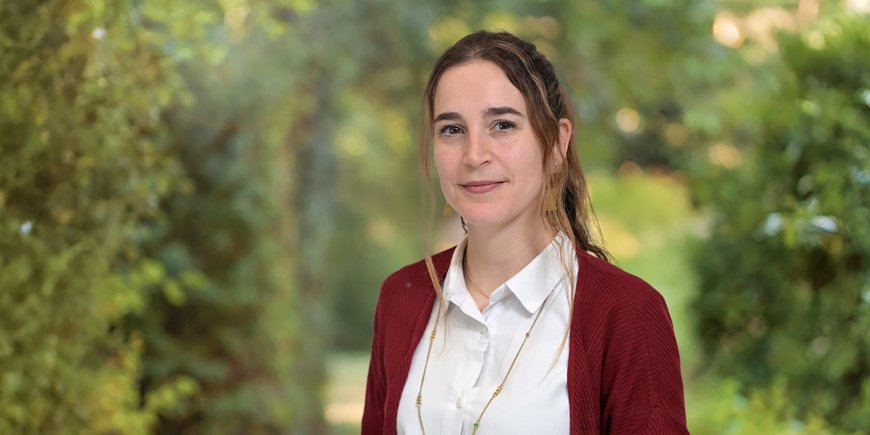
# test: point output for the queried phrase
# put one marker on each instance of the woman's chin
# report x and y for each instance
(484, 220)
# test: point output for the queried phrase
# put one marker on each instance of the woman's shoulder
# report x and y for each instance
(607, 287)
(626, 335)
(599, 274)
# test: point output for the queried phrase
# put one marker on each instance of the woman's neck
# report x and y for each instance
(493, 256)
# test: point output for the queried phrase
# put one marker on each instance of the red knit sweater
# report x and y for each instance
(623, 363)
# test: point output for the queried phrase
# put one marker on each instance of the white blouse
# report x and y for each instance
(470, 358)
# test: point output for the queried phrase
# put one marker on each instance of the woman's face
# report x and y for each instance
(488, 159)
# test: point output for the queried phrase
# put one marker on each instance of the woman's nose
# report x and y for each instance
(477, 150)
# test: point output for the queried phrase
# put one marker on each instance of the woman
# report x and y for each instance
(524, 327)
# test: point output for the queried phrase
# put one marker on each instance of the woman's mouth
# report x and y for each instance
(481, 186)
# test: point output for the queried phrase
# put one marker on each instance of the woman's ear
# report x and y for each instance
(561, 146)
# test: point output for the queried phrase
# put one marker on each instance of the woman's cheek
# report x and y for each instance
(443, 162)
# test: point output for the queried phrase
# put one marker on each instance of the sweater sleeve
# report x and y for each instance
(642, 390)
(376, 389)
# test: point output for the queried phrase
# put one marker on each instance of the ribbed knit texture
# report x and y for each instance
(623, 362)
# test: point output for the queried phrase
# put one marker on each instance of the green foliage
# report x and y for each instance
(80, 166)
(635, 77)
(227, 319)
(720, 406)
(785, 299)
(146, 234)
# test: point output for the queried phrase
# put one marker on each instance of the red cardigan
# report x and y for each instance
(623, 363)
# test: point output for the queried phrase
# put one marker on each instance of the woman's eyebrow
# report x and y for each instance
(447, 116)
(488, 113)
(504, 110)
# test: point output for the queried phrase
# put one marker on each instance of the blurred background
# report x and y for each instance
(199, 200)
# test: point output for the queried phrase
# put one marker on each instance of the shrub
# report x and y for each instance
(80, 166)
(784, 277)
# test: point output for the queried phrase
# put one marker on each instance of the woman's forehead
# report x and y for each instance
(472, 88)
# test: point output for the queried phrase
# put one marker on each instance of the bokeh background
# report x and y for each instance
(199, 200)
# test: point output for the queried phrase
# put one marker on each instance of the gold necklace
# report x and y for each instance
(474, 284)
(498, 389)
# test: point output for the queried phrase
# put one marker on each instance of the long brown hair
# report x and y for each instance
(565, 206)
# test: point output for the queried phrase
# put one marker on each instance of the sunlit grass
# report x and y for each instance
(345, 392)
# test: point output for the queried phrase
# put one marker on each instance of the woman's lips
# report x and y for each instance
(481, 186)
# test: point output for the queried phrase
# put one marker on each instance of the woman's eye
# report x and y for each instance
(504, 125)
(450, 130)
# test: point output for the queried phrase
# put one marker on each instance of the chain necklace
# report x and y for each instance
(471, 280)
(500, 386)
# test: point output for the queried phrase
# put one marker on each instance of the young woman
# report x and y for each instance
(524, 327)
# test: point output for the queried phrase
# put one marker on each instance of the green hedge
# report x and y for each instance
(80, 166)
(784, 279)
(147, 278)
